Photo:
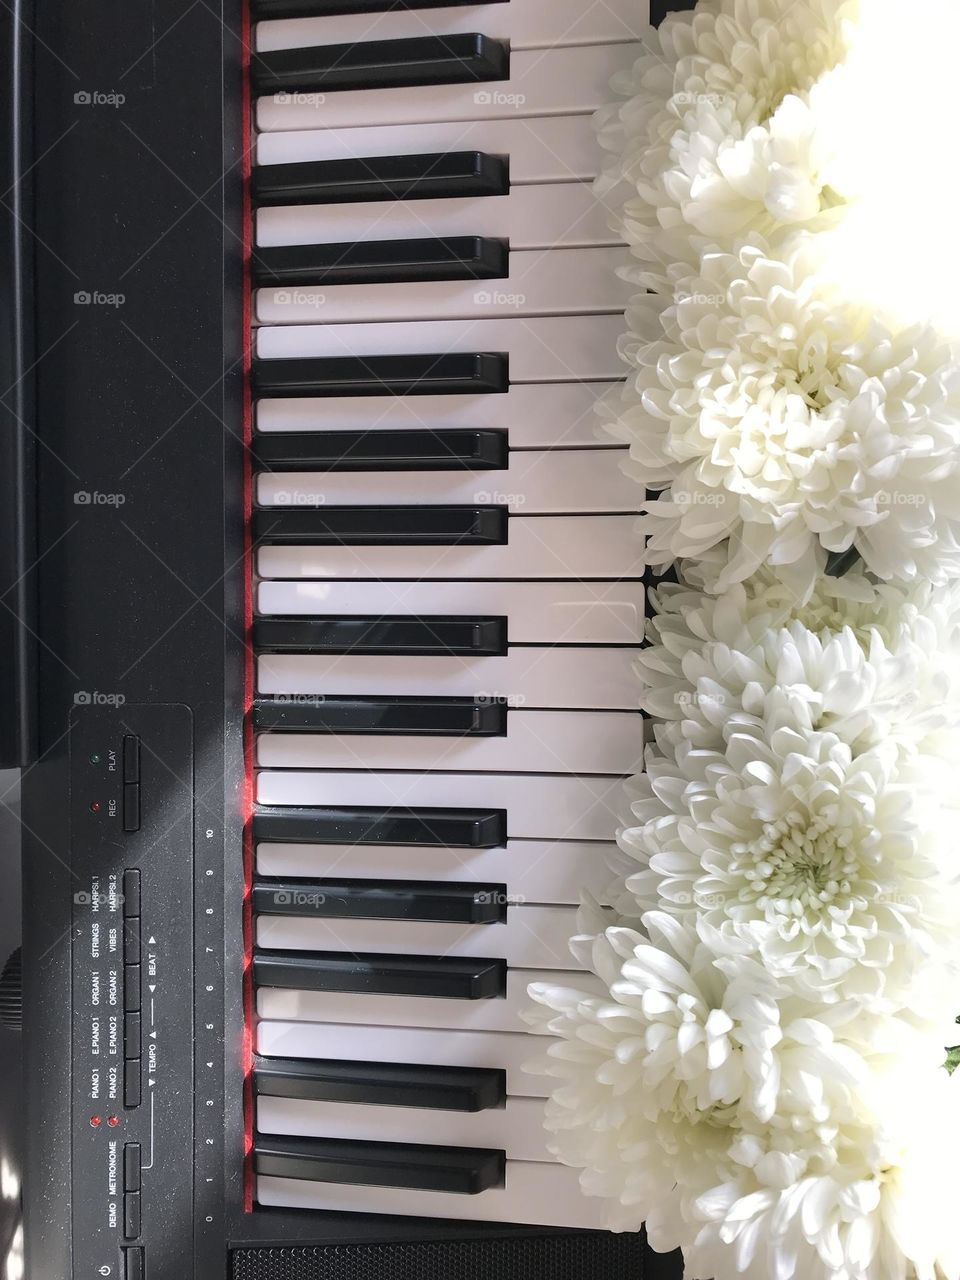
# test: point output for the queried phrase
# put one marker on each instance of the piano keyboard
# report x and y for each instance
(448, 593)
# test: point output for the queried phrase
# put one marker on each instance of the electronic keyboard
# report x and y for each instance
(322, 596)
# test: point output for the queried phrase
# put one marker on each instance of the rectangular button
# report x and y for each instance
(131, 1166)
(131, 941)
(131, 1036)
(131, 1215)
(133, 1268)
(131, 806)
(131, 988)
(131, 758)
(131, 893)
(131, 1083)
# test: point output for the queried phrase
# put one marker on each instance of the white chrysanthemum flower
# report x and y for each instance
(797, 800)
(883, 1207)
(838, 870)
(715, 136)
(747, 1129)
(784, 422)
(909, 632)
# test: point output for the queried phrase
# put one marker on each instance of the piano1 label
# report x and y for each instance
(95, 1084)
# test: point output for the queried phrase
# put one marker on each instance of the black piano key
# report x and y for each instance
(428, 977)
(435, 717)
(385, 450)
(381, 64)
(471, 637)
(382, 262)
(407, 375)
(431, 176)
(263, 9)
(457, 1170)
(384, 1084)
(441, 828)
(381, 900)
(408, 526)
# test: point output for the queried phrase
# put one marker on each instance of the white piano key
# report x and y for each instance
(546, 349)
(526, 24)
(546, 1195)
(549, 149)
(516, 1128)
(561, 678)
(562, 413)
(535, 482)
(538, 547)
(531, 937)
(538, 807)
(532, 870)
(565, 613)
(541, 83)
(539, 283)
(505, 1051)
(421, 1011)
(535, 742)
(554, 216)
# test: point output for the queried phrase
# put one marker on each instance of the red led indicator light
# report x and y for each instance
(113, 1121)
(95, 806)
(96, 1122)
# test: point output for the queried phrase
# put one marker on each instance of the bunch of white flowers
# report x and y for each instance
(764, 1083)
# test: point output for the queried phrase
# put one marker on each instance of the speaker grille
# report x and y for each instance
(586, 1256)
